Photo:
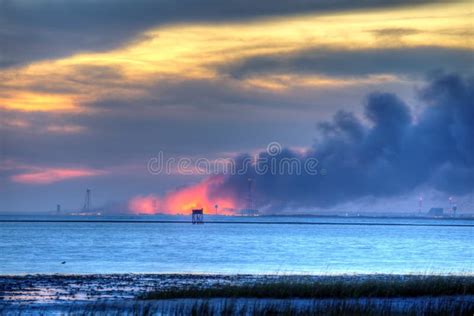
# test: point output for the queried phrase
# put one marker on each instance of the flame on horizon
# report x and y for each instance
(183, 200)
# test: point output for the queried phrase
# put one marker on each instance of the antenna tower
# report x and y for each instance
(87, 201)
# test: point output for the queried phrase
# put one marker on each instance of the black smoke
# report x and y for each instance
(388, 153)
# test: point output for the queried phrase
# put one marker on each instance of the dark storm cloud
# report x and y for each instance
(392, 155)
(33, 30)
(207, 96)
(189, 117)
(403, 61)
(135, 130)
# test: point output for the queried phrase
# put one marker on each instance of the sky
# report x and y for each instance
(377, 95)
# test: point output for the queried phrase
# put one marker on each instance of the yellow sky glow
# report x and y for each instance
(32, 101)
(195, 51)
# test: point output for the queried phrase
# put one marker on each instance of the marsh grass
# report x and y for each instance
(289, 295)
(388, 287)
(247, 307)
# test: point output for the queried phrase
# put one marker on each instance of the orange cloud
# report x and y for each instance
(51, 175)
(34, 101)
(184, 200)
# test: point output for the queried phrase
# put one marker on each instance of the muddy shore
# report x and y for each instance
(117, 293)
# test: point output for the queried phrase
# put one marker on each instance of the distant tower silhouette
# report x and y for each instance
(216, 207)
(87, 201)
(250, 205)
(58, 208)
(452, 205)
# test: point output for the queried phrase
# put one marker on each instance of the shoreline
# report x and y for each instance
(108, 221)
(53, 288)
(120, 293)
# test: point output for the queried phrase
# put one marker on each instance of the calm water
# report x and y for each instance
(424, 246)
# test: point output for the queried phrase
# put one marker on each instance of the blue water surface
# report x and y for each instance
(284, 245)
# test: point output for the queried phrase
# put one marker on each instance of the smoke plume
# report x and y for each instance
(388, 152)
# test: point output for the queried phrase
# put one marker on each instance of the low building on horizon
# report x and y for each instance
(436, 211)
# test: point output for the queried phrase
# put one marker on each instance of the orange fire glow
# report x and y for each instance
(182, 201)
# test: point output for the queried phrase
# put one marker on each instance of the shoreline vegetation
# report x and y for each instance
(440, 295)
(389, 287)
(200, 294)
(265, 307)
